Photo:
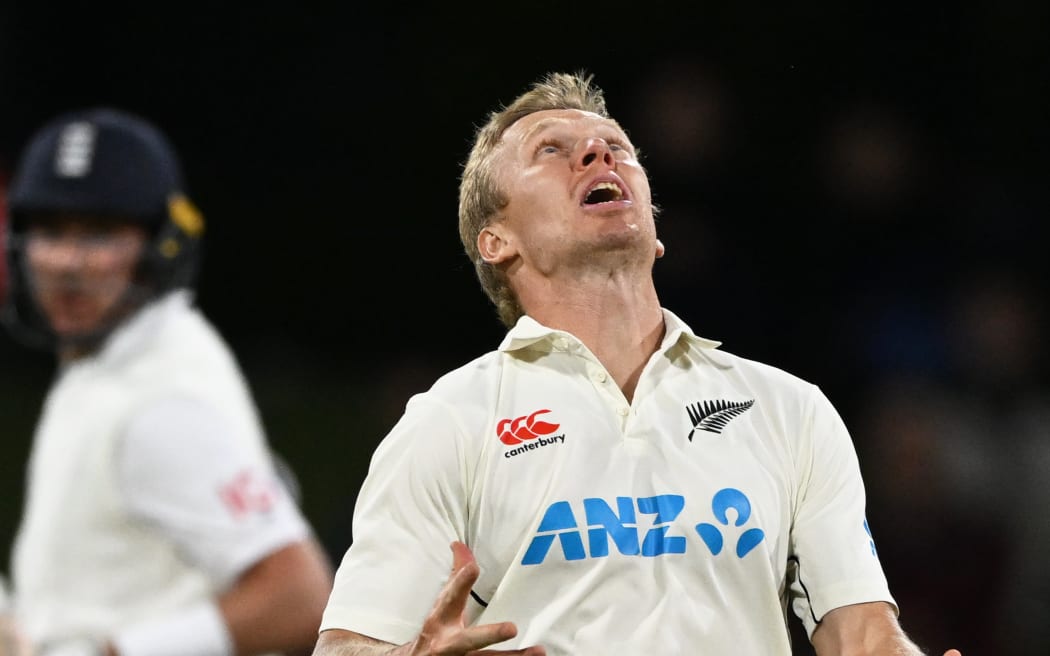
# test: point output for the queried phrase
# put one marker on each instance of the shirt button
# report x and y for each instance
(561, 343)
(600, 376)
(623, 410)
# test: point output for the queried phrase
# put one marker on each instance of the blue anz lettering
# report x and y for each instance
(624, 532)
(666, 507)
(558, 522)
(724, 500)
(604, 523)
(619, 526)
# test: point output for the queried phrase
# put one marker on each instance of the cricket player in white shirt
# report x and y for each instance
(156, 519)
(608, 482)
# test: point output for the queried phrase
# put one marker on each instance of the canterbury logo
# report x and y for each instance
(527, 427)
(712, 416)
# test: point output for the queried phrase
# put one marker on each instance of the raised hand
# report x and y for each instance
(445, 631)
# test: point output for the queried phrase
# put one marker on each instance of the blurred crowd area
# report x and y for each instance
(906, 274)
(890, 248)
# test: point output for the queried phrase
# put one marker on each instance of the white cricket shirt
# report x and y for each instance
(150, 483)
(685, 522)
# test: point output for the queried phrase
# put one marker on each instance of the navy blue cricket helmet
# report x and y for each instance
(107, 163)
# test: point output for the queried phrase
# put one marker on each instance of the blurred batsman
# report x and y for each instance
(158, 520)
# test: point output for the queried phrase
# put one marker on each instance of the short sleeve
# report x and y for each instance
(411, 506)
(835, 562)
(183, 469)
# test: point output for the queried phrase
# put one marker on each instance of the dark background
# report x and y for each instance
(853, 192)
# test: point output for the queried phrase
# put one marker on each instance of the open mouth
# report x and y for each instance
(603, 192)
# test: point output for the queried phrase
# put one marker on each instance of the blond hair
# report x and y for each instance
(481, 199)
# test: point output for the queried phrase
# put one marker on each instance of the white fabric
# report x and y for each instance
(198, 630)
(182, 439)
(635, 574)
(108, 538)
(75, 647)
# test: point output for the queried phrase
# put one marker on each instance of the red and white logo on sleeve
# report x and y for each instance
(248, 493)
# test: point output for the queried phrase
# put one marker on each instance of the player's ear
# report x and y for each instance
(660, 250)
(496, 243)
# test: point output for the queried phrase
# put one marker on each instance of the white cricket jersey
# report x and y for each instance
(684, 522)
(150, 483)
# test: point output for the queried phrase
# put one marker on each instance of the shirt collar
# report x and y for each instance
(128, 338)
(528, 332)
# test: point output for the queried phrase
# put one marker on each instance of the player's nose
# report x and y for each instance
(592, 151)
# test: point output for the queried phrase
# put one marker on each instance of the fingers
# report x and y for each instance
(453, 599)
(445, 630)
(448, 640)
(475, 638)
(461, 556)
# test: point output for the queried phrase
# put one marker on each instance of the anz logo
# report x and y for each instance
(619, 526)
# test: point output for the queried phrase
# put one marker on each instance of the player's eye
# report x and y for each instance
(548, 147)
(619, 145)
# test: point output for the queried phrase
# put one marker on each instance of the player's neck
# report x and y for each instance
(622, 329)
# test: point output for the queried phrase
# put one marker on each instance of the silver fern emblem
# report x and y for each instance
(712, 416)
